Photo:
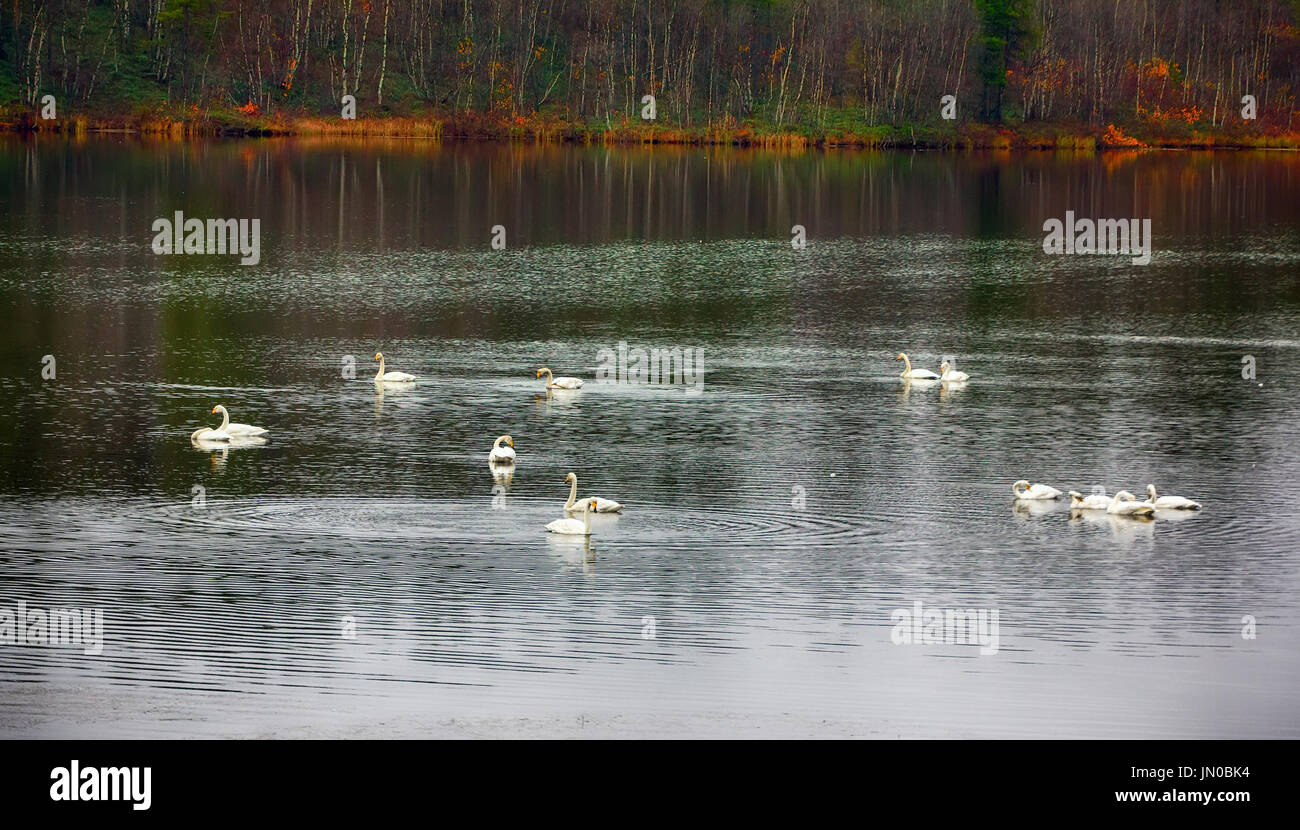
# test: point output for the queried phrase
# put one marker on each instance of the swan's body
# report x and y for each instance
(1032, 492)
(226, 432)
(597, 503)
(1097, 501)
(914, 374)
(573, 527)
(500, 454)
(1126, 504)
(235, 430)
(947, 374)
(390, 377)
(552, 382)
(1169, 502)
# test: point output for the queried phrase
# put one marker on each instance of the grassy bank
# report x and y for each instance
(843, 130)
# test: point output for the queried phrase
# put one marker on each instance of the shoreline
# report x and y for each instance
(472, 128)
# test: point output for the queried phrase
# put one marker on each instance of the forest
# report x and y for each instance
(873, 72)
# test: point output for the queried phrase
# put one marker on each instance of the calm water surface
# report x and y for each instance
(773, 521)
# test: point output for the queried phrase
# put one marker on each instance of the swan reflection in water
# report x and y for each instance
(219, 451)
(572, 550)
(1034, 507)
(951, 389)
(394, 389)
(1125, 529)
(503, 472)
(922, 384)
(562, 398)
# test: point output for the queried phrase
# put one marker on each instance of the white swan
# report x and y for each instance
(208, 434)
(1169, 502)
(1126, 504)
(573, 527)
(236, 430)
(1097, 501)
(1031, 492)
(552, 382)
(500, 454)
(914, 374)
(598, 504)
(390, 377)
(948, 374)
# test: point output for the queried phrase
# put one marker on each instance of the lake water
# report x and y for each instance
(365, 573)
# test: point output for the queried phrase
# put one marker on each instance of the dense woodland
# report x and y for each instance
(813, 67)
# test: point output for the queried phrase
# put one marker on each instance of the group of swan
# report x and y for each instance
(592, 504)
(503, 457)
(1123, 503)
(947, 372)
(227, 432)
(552, 382)
(597, 503)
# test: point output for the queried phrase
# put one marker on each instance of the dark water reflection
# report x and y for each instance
(773, 521)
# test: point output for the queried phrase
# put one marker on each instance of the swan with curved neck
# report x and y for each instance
(552, 382)
(390, 377)
(235, 430)
(948, 374)
(599, 505)
(1126, 504)
(914, 374)
(1169, 502)
(207, 434)
(573, 527)
(500, 454)
(1032, 492)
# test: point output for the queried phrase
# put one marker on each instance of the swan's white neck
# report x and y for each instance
(550, 378)
(573, 493)
(907, 365)
(225, 418)
(380, 373)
